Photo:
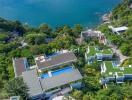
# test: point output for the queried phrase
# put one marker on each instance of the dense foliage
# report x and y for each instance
(17, 87)
(44, 39)
(121, 16)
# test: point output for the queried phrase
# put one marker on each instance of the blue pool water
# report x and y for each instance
(56, 12)
(58, 72)
(61, 71)
(44, 75)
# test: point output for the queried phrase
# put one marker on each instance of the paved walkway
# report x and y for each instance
(118, 52)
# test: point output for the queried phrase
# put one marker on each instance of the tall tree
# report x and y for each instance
(17, 87)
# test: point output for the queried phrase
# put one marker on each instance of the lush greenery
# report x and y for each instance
(121, 16)
(17, 87)
(46, 40)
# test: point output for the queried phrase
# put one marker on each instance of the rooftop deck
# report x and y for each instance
(111, 69)
(57, 72)
(61, 79)
(20, 65)
(95, 50)
(55, 59)
(45, 82)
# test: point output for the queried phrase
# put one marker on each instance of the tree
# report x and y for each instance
(1, 84)
(86, 97)
(12, 26)
(3, 68)
(5, 48)
(67, 30)
(17, 87)
(62, 42)
(77, 30)
(35, 38)
(77, 95)
(44, 28)
(4, 37)
(125, 49)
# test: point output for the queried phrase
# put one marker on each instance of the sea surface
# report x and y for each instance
(57, 12)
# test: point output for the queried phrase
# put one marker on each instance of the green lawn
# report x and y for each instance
(94, 50)
(111, 70)
(107, 51)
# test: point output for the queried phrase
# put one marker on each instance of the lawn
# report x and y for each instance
(111, 70)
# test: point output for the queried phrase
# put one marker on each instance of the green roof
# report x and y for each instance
(128, 70)
(107, 51)
(112, 70)
(120, 73)
(94, 50)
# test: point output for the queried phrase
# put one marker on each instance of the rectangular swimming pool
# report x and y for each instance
(61, 71)
(44, 75)
(58, 72)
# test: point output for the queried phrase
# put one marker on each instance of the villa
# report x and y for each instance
(53, 73)
(111, 72)
(54, 60)
(91, 34)
(94, 53)
(118, 30)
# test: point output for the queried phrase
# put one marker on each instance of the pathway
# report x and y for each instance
(118, 52)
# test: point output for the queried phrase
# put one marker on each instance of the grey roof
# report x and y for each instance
(56, 60)
(31, 79)
(62, 79)
(90, 33)
(19, 65)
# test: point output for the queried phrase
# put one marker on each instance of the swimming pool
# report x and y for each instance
(61, 71)
(58, 72)
(44, 75)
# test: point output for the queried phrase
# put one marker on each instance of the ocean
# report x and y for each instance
(57, 12)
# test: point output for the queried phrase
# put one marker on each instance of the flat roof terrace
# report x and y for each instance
(56, 72)
(55, 59)
(112, 69)
(118, 30)
(20, 65)
(95, 50)
(60, 79)
(107, 51)
(38, 85)
(31, 79)
(92, 51)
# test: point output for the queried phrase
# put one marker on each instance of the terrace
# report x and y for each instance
(63, 77)
(54, 60)
(107, 51)
(112, 70)
(51, 81)
(49, 74)
(118, 30)
(94, 53)
(95, 50)
(57, 73)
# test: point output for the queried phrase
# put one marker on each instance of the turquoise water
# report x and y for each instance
(61, 71)
(56, 12)
(58, 72)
